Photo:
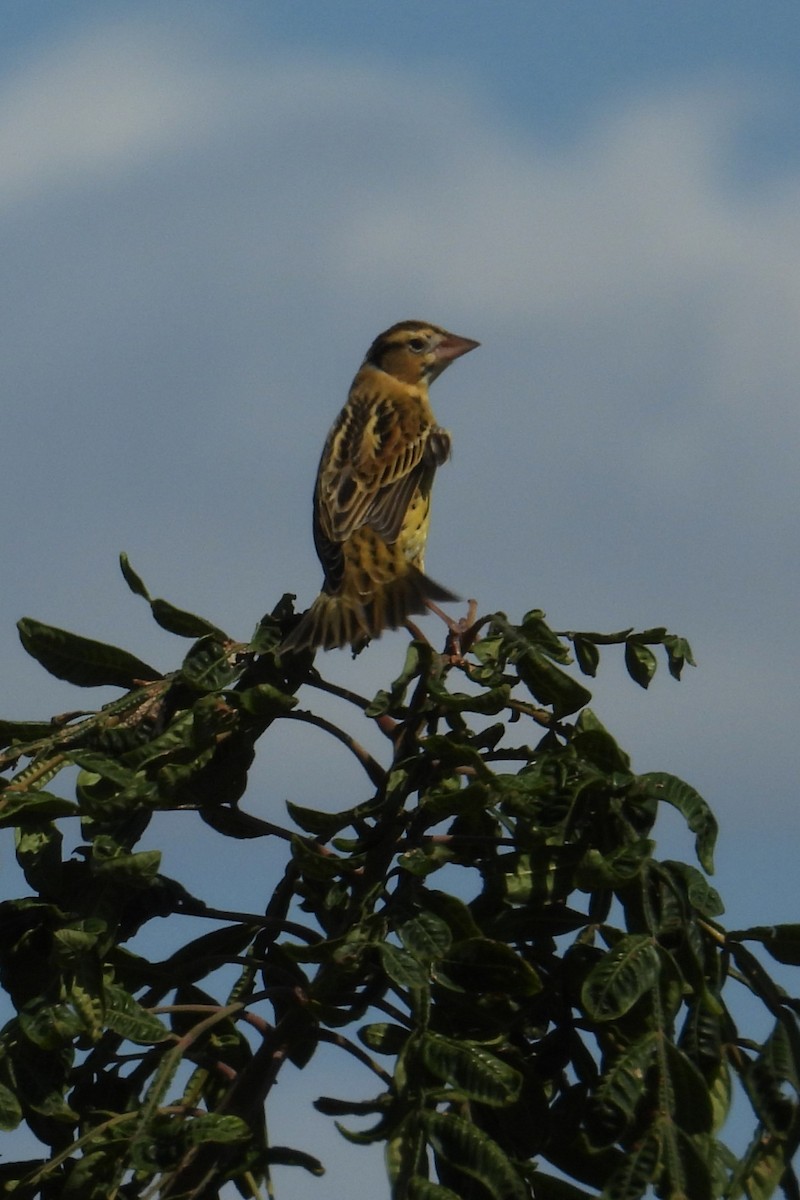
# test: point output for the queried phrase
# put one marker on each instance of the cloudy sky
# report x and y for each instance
(208, 210)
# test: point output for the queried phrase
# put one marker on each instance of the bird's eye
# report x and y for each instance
(417, 344)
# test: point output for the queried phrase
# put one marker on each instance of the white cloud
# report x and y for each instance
(209, 239)
(639, 206)
(97, 106)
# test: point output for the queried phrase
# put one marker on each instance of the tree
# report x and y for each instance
(568, 1011)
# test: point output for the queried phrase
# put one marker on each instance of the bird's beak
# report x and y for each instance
(451, 347)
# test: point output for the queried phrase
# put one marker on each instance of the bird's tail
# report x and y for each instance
(349, 618)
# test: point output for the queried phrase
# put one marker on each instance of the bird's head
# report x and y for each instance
(415, 351)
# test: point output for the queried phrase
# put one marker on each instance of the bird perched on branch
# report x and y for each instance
(373, 492)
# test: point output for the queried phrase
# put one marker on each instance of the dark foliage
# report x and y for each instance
(572, 1015)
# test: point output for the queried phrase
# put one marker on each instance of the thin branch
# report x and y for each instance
(374, 770)
(456, 839)
(337, 1039)
(198, 909)
(540, 715)
(315, 680)
(600, 639)
(386, 1006)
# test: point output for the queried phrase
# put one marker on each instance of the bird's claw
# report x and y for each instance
(462, 634)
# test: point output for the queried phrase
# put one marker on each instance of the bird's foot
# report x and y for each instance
(458, 638)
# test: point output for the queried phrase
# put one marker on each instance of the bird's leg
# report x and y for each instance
(452, 625)
(454, 649)
(473, 626)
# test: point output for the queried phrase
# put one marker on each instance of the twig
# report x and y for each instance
(337, 1039)
(374, 770)
(315, 680)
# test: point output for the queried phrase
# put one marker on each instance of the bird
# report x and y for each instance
(373, 493)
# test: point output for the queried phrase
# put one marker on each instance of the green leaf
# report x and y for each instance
(424, 1189)
(133, 580)
(615, 869)
(692, 1108)
(207, 666)
(318, 823)
(679, 652)
(720, 1091)
(264, 700)
(454, 912)
(105, 767)
(640, 663)
(74, 941)
(27, 808)
(138, 868)
(449, 799)
(470, 1069)
(88, 996)
(205, 953)
(25, 731)
(383, 1037)
(490, 653)
(267, 634)
(236, 823)
(530, 648)
(331, 1107)
(81, 660)
(216, 1128)
(88, 1177)
(426, 936)
(685, 1164)
(450, 751)
(587, 655)
(702, 896)
(550, 685)
(50, 1026)
(762, 1169)
(596, 744)
(539, 633)
(184, 624)
(127, 1018)
(621, 977)
(490, 702)
(40, 1078)
(776, 1066)
(480, 965)
(544, 873)
(702, 1035)
(471, 1151)
(314, 862)
(690, 804)
(286, 1156)
(640, 1167)
(621, 1089)
(402, 968)
(38, 852)
(10, 1110)
(760, 982)
(781, 941)
(174, 620)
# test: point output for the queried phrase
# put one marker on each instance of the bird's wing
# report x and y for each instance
(377, 454)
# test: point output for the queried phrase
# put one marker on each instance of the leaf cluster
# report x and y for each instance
(538, 1004)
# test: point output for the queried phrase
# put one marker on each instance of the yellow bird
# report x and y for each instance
(373, 492)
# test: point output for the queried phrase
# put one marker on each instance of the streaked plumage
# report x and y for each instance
(372, 496)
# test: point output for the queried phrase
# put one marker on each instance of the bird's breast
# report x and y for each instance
(414, 530)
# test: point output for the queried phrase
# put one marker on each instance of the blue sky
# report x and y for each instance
(207, 211)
